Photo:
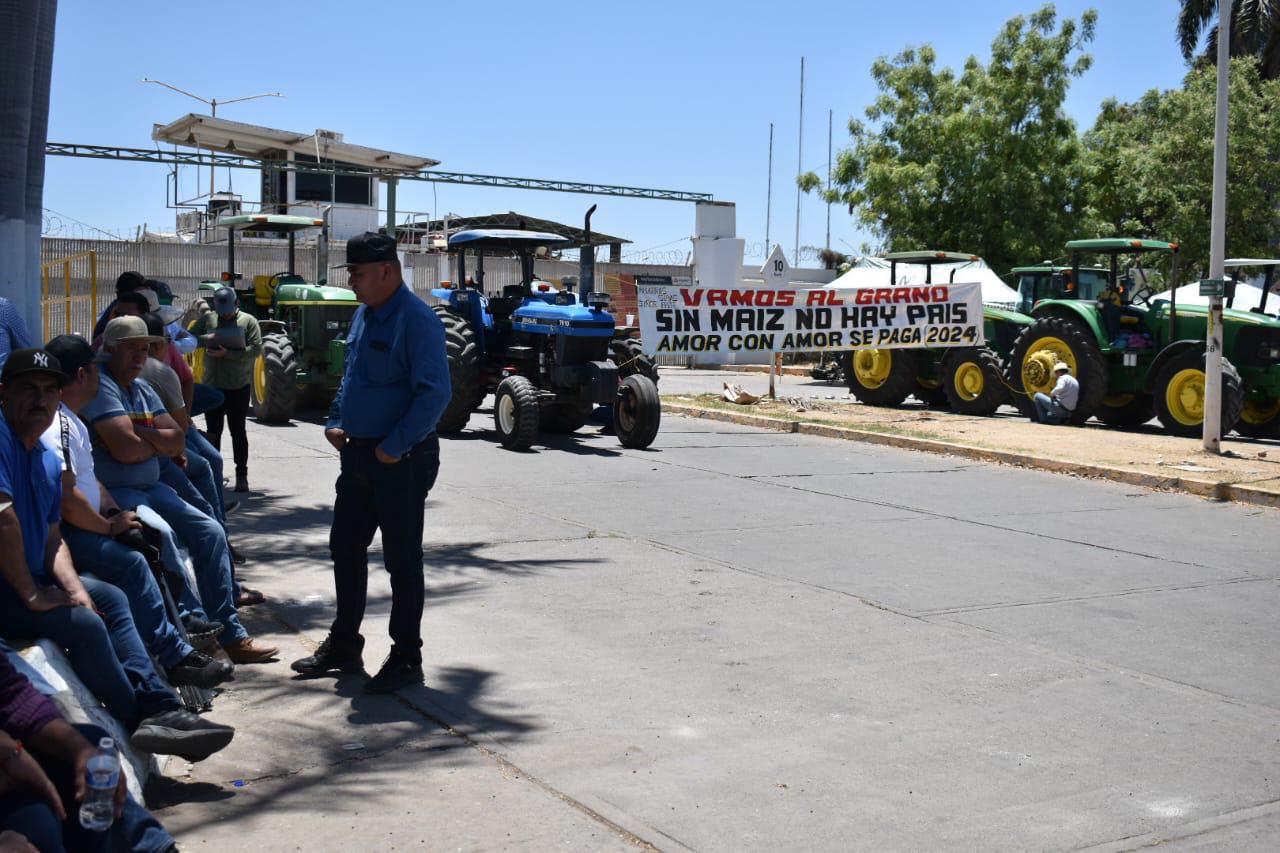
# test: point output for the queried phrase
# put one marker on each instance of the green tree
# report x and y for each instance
(1255, 31)
(983, 161)
(1149, 165)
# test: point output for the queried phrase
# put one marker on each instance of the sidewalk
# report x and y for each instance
(1249, 470)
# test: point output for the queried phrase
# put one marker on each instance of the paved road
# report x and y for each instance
(747, 640)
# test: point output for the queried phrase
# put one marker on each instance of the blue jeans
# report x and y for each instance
(197, 443)
(207, 543)
(135, 830)
(178, 480)
(106, 559)
(105, 650)
(372, 495)
(203, 398)
(1050, 411)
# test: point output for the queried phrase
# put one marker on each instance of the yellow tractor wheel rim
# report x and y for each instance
(1259, 412)
(871, 367)
(1037, 364)
(260, 378)
(969, 380)
(1184, 396)
(196, 360)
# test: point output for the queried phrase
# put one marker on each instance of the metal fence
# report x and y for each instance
(68, 294)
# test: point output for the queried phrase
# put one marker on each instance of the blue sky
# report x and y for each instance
(654, 94)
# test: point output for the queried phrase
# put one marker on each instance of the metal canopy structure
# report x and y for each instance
(238, 161)
(572, 237)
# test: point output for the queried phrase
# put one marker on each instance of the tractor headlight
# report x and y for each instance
(599, 301)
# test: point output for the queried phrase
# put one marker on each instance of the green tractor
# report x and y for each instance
(304, 326)
(968, 379)
(1136, 355)
(1054, 281)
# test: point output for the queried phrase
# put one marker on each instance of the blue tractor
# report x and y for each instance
(549, 357)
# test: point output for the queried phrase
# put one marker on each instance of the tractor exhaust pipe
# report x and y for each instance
(586, 261)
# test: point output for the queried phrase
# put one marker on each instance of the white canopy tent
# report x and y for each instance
(1248, 290)
(874, 272)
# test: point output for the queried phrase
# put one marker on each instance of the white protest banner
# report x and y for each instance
(775, 319)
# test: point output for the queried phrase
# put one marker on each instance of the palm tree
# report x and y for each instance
(1255, 31)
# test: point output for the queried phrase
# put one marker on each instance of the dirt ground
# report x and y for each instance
(1147, 449)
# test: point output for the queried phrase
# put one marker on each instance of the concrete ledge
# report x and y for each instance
(51, 674)
(1211, 489)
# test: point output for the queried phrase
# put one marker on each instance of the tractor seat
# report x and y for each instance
(513, 291)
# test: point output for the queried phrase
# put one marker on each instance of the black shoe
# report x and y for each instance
(397, 671)
(331, 657)
(242, 483)
(181, 733)
(200, 670)
(236, 557)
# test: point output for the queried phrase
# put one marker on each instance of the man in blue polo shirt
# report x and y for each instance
(383, 423)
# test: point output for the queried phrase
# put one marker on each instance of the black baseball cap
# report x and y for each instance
(161, 288)
(72, 352)
(155, 326)
(369, 248)
(24, 361)
(130, 280)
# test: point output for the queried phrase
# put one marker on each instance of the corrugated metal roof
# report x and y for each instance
(236, 137)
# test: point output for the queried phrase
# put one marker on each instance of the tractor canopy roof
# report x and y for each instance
(510, 239)
(269, 222)
(928, 256)
(1120, 245)
(1053, 268)
(1232, 263)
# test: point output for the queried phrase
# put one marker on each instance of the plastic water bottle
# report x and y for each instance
(103, 775)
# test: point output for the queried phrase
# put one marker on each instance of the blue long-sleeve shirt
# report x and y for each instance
(395, 384)
(13, 331)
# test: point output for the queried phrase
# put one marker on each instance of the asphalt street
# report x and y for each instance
(746, 640)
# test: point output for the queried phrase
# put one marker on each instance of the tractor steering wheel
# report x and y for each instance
(1142, 295)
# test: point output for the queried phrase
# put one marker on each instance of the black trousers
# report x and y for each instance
(370, 496)
(235, 409)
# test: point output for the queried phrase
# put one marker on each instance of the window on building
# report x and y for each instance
(344, 189)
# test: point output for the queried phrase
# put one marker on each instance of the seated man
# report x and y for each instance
(1057, 406)
(91, 521)
(43, 597)
(131, 433)
(42, 771)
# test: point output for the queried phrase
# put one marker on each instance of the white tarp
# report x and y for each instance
(1248, 296)
(687, 320)
(874, 272)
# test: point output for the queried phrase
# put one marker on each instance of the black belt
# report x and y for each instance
(374, 442)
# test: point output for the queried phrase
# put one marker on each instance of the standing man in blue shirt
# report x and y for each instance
(383, 423)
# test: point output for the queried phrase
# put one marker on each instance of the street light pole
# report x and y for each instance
(1212, 438)
(212, 103)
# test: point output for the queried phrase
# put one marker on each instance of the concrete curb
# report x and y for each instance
(787, 370)
(1211, 489)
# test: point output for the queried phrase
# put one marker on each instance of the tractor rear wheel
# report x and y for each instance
(275, 379)
(1043, 344)
(882, 377)
(565, 417)
(973, 381)
(1179, 394)
(464, 371)
(1126, 410)
(637, 412)
(515, 413)
(629, 358)
(1261, 417)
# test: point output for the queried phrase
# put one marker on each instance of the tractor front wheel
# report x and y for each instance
(464, 371)
(637, 412)
(629, 358)
(1043, 344)
(275, 379)
(1179, 395)
(515, 413)
(1261, 417)
(972, 380)
(882, 377)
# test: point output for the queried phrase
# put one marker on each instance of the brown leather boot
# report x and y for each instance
(249, 650)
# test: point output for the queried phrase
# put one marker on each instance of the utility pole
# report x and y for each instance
(1217, 242)
(830, 116)
(212, 103)
(768, 204)
(799, 162)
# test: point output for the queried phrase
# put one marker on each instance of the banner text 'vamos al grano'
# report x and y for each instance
(690, 320)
